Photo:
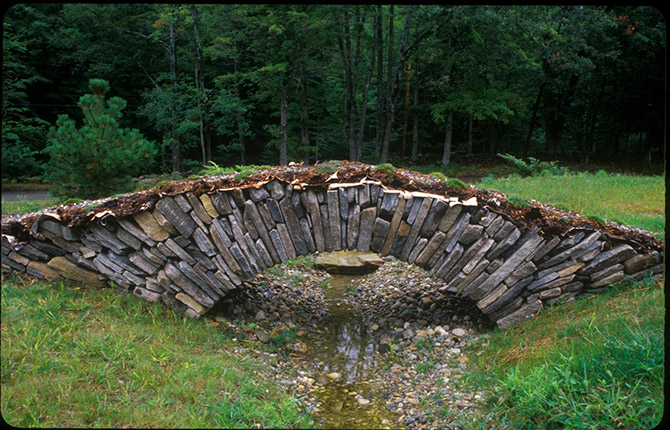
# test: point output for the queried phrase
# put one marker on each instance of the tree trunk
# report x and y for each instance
(393, 95)
(470, 121)
(176, 158)
(238, 116)
(531, 125)
(557, 106)
(199, 83)
(304, 117)
(283, 137)
(492, 136)
(415, 124)
(364, 106)
(404, 120)
(304, 101)
(446, 154)
(379, 126)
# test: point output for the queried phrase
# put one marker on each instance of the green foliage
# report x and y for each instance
(214, 169)
(386, 169)
(100, 157)
(518, 201)
(488, 65)
(244, 174)
(535, 167)
(18, 160)
(452, 182)
(328, 168)
(455, 182)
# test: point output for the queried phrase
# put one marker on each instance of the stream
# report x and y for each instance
(345, 358)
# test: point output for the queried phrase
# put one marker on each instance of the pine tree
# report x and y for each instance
(100, 158)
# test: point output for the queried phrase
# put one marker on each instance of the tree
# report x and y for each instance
(100, 157)
(22, 131)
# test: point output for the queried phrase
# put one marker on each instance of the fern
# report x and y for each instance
(213, 169)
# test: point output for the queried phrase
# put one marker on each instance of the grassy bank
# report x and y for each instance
(81, 357)
(638, 201)
(597, 363)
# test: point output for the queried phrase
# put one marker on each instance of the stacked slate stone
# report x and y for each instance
(191, 251)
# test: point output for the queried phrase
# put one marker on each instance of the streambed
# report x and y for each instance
(384, 350)
(345, 358)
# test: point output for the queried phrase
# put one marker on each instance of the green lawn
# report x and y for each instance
(74, 356)
(638, 201)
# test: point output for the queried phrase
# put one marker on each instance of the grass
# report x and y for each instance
(79, 357)
(597, 363)
(24, 206)
(638, 201)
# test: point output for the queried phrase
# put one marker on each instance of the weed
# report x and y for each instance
(455, 183)
(583, 193)
(328, 168)
(386, 169)
(535, 167)
(596, 218)
(100, 358)
(244, 174)
(518, 201)
(214, 169)
(26, 206)
(425, 366)
(594, 363)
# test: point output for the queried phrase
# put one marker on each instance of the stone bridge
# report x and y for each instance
(190, 243)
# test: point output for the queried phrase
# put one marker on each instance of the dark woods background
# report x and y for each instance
(269, 84)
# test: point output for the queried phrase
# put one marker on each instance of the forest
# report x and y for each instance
(237, 84)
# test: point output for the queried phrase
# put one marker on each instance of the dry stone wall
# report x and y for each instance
(190, 251)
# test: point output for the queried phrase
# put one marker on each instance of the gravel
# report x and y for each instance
(421, 333)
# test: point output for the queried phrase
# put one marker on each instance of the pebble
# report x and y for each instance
(422, 336)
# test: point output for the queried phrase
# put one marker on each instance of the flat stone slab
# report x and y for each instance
(348, 262)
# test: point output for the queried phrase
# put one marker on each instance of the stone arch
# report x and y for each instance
(190, 247)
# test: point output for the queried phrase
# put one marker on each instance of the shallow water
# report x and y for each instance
(345, 359)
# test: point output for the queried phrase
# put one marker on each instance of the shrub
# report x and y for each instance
(518, 201)
(535, 167)
(99, 158)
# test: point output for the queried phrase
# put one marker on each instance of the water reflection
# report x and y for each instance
(346, 359)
